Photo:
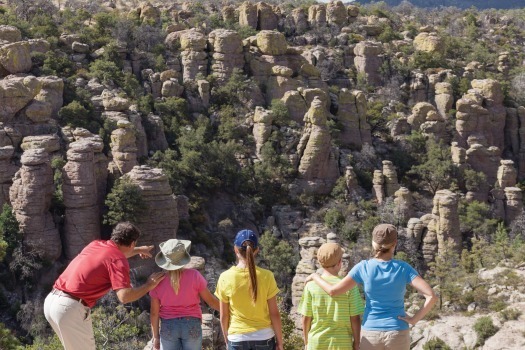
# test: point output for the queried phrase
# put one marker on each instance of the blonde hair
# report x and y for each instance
(249, 256)
(381, 248)
(175, 279)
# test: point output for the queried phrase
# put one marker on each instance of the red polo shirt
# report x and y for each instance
(99, 267)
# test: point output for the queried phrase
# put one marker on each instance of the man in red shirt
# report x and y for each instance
(100, 267)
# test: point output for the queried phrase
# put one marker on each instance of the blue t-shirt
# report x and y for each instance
(384, 286)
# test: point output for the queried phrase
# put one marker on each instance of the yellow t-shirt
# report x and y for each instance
(233, 288)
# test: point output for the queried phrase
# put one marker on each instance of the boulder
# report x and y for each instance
(10, 34)
(336, 13)
(50, 143)
(248, 15)
(124, 147)
(266, 17)
(429, 42)
(15, 57)
(367, 60)
(271, 43)
(227, 53)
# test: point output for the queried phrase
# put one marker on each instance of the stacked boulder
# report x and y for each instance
(336, 13)
(123, 148)
(480, 113)
(318, 165)
(82, 220)
(262, 128)
(31, 195)
(378, 182)
(426, 119)
(248, 15)
(193, 55)
(444, 98)
(226, 53)
(403, 205)
(159, 220)
(317, 15)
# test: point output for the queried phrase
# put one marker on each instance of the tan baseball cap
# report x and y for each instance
(384, 234)
(329, 254)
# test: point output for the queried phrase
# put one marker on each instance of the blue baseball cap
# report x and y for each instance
(246, 235)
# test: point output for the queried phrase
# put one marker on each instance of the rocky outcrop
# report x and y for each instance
(296, 105)
(50, 143)
(82, 221)
(390, 176)
(193, 55)
(280, 82)
(353, 190)
(266, 17)
(483, 159)
(428, 121)
(351, 113)
(15, 94)
(227, 54)
(159, 220)
(368, 61)
(123, 148)
(271, 43)
(480, 113)
(423, 233)
(336, 13)
(31, 195)
(318, 169)
(317, 15)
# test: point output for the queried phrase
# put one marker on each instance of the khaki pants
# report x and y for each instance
(71, 321)
(385, 340)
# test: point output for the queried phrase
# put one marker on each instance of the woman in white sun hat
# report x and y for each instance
(175, 302)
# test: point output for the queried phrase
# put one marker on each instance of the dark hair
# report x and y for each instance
(125, 233)
(247, 252)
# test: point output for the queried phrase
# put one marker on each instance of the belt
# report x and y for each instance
(64, 294)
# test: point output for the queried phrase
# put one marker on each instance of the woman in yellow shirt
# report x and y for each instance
(249, 315)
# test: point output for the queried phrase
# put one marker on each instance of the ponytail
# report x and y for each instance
(175, 279)
(381, 248)
(248, 253)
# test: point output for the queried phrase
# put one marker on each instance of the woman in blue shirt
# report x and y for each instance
(385, 324)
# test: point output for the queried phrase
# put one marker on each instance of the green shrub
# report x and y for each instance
(436, 344)
(484, 328)
(280, 112)
(10, 236)
(510, 314)
(8, 340)
(280, 258)
(334, 219)
(74, 115)
(124, 202)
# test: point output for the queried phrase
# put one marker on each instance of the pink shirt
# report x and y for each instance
(187, 302)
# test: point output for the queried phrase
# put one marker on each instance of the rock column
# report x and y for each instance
(7, 171)
(194, 58)
(447, 219)
(513, 204)
(31, 196)
(82, 222)
(227, 53)
(377, 189)
(390, 176)
(123, 148)
(160, 219)
(367, 61)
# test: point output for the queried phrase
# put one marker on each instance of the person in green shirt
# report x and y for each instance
(330, 322)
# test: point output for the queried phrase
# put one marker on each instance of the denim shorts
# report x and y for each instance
(182, 333)
(268, 344)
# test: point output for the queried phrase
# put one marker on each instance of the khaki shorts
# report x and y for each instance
(385, 340)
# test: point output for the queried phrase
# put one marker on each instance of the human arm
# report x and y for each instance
(224, 309)
(307, 324)
(355, 323)
(144, 251)
(338, 288)
(127, 295)
(154, 320)
(210, 299)
(275, 317)
(430, 300)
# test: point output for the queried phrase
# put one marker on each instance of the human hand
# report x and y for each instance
(144, 251)
(156, 343)
(155, 278)
(309, 278)
(279, 346)
(408, 319)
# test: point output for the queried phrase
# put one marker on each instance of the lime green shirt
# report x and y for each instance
(233, 288)
(330, 327)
